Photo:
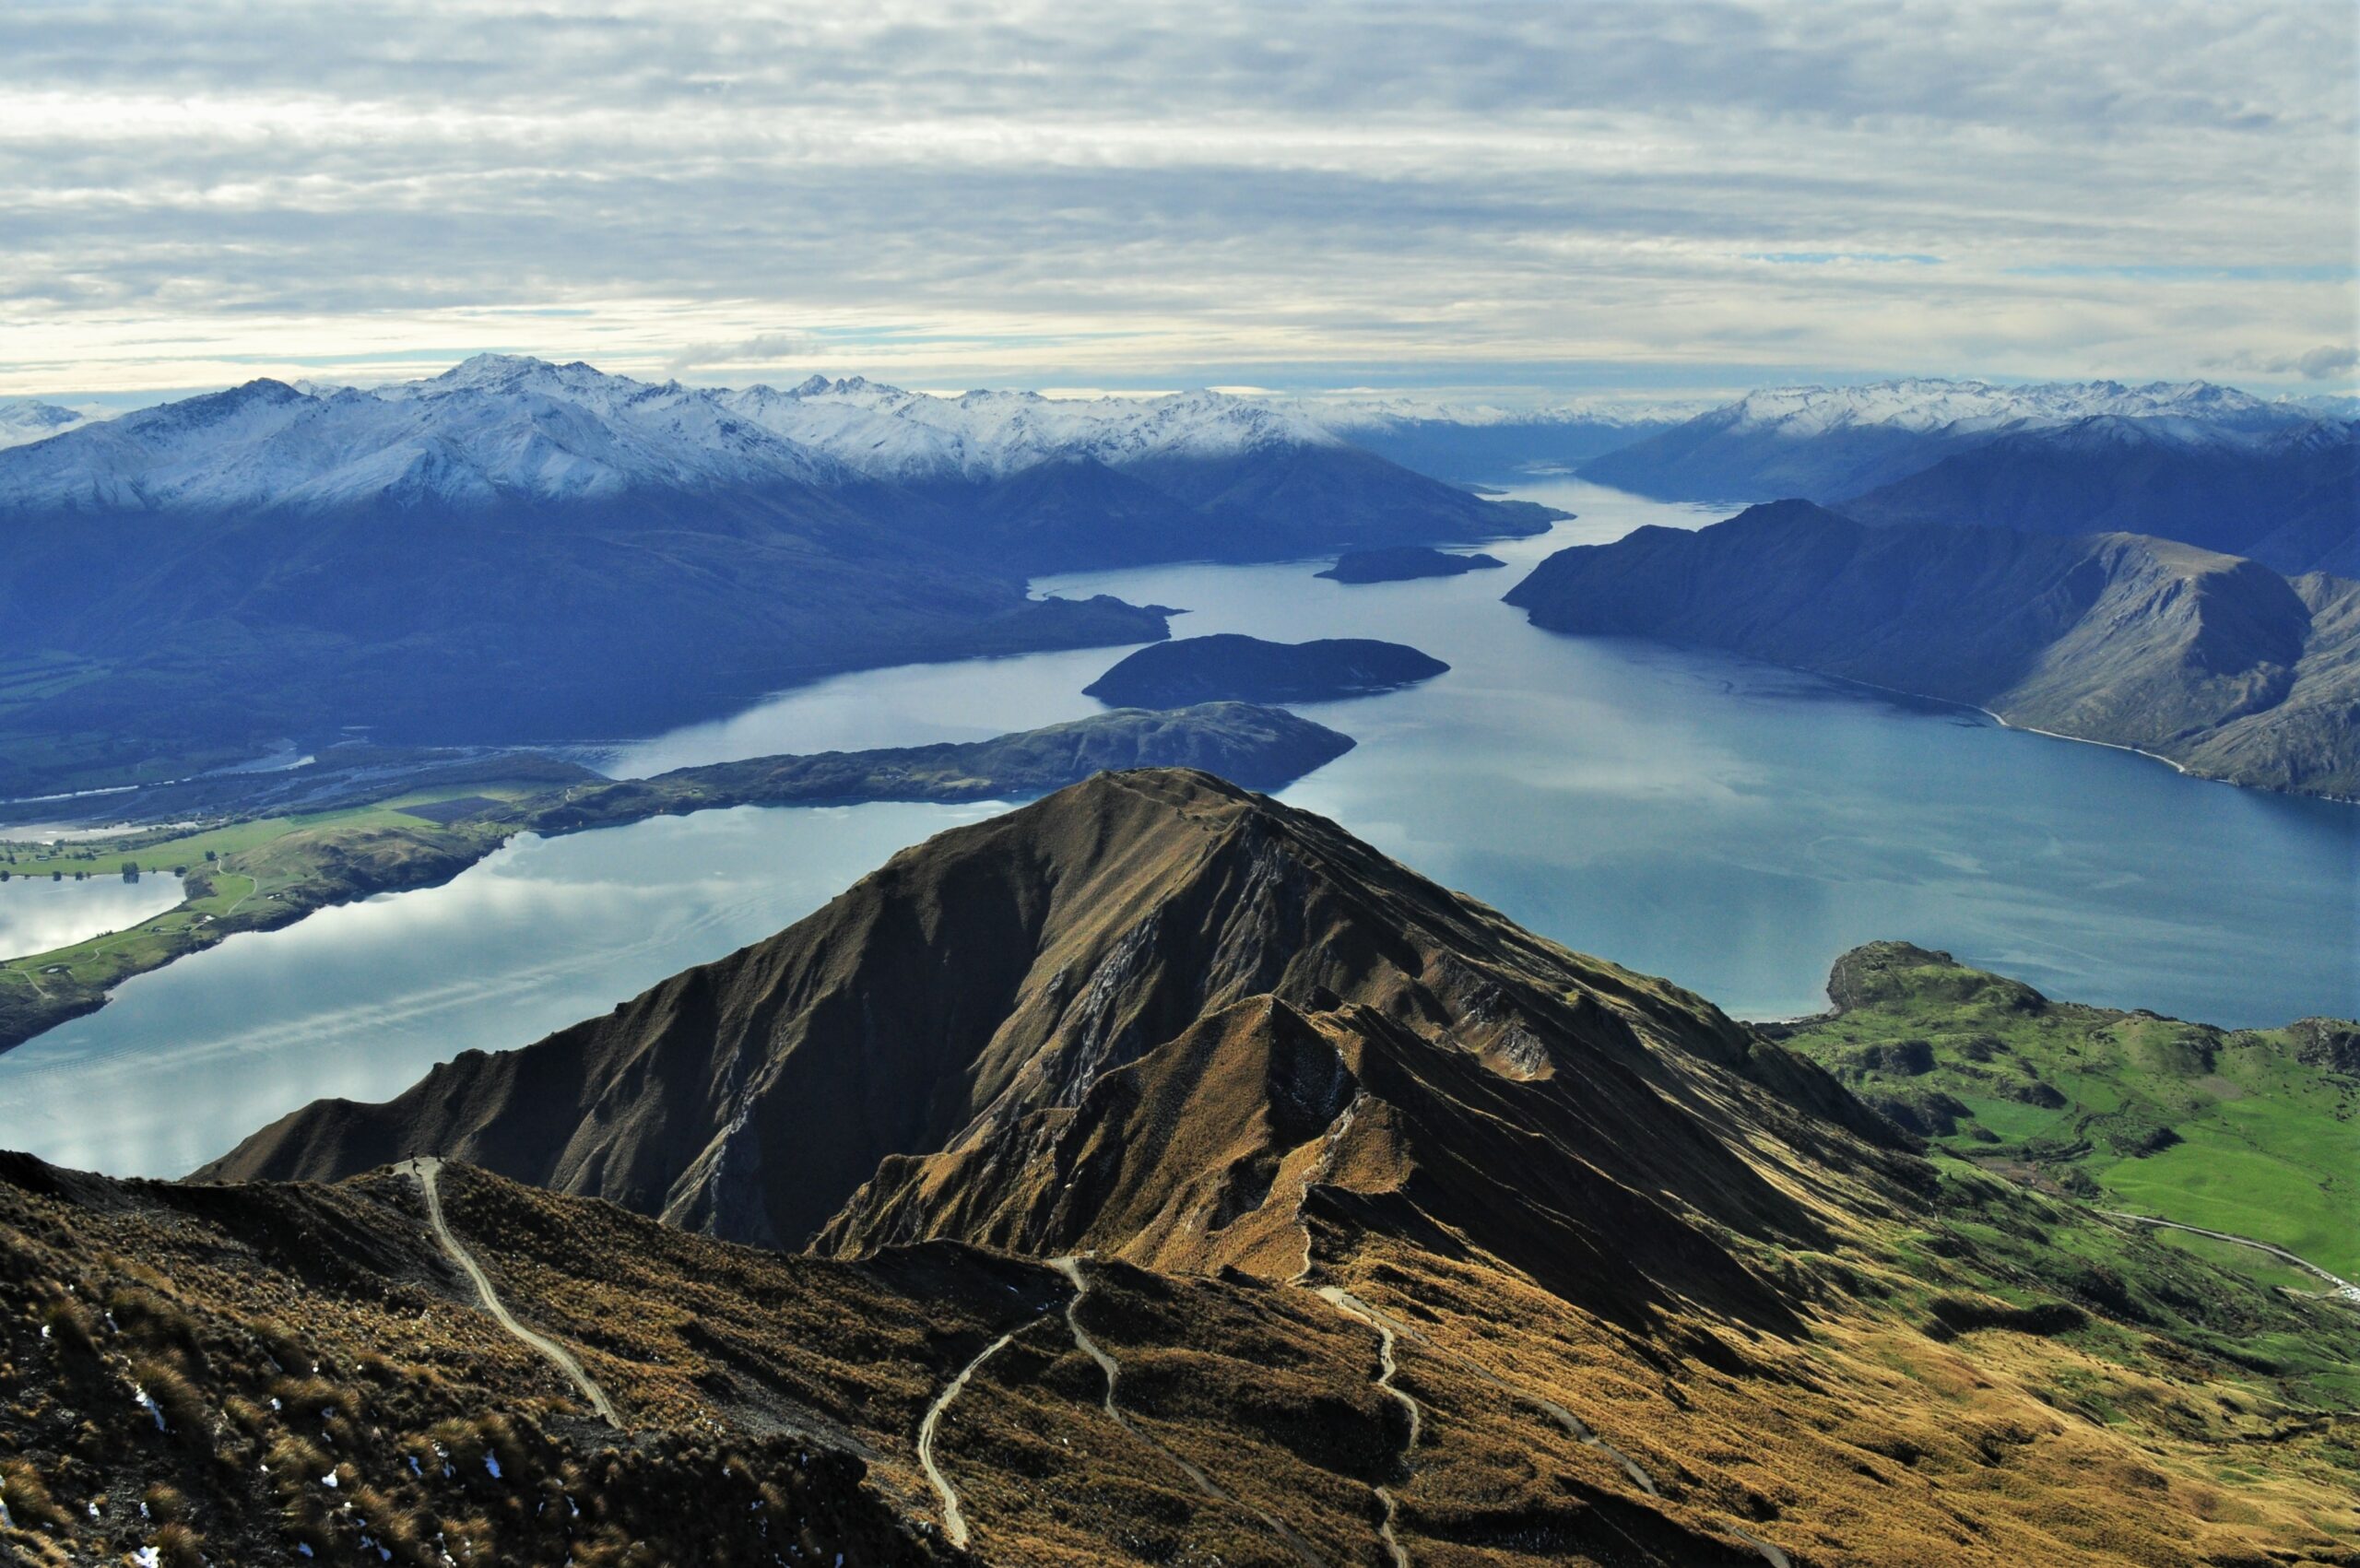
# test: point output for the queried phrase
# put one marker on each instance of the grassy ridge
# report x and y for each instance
(2253, 1132)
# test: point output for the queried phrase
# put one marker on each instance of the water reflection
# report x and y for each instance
(359, 1000)
(1731, 825)
(37, 914)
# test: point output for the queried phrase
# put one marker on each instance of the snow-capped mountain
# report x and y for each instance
(504, 427)
(1961, 407)
(520, 549)
(1346, 413)
(1825, 443)
(26, 419)
(494, 427)
(886, 433)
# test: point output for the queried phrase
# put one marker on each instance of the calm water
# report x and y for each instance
(1727, 825)
(359, 1000)
(37, 914)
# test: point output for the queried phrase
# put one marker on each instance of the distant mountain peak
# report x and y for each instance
(514, 425)
(26, 419)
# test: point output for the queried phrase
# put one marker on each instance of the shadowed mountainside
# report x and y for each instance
(2218, 664)
(974, 1041)
(2295, 506)
(1404, 1234)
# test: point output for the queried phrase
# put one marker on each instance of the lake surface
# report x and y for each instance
(37, 914)
(361, 999)
(1727, 825)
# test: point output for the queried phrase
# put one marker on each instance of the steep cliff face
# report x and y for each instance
(2215, 662)
(1160, 1017)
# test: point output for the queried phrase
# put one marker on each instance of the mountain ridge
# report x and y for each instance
(2212, 662)
(516, 552)
(1403, 1234)
(1125, 911)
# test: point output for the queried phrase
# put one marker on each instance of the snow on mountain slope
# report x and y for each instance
(504, 427)
(1346, 414)
(1826, 443)
(494, 427)
(26, 419)
(905, 437)
(1961, 407)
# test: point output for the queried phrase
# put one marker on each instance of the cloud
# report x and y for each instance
(2326, 361)
(1007, 190)
(769, 348)
(2322, 363)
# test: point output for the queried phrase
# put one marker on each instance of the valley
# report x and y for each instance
(1679, 808)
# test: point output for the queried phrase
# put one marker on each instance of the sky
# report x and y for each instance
(1544, 198)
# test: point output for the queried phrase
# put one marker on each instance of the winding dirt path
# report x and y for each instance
(1071, 1268)
(955, 1522)
(429, 1172)
(2338, 1286)
(1352, 1306)
(1573, 1425)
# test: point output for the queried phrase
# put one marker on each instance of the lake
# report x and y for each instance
(1727, 825)
(37, 914)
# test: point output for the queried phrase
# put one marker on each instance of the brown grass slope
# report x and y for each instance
(934, 1054)
(1401, 1229)
(280, 1375)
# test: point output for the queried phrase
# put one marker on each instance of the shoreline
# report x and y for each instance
(2005, 723)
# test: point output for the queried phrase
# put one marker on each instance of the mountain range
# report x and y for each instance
(2215, 663)
(1479, 441)
(1154, 1174)
(25, 420)
(516, 550)
(2206, 465)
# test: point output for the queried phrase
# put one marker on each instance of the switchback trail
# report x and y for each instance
(955, 1522)
(1579, 1429)
(2338, 1286)
(1071, 1268)
(1351, 1306)
(429, 1171)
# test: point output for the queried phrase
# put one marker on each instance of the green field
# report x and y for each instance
(2253, 1132)
(267, 872)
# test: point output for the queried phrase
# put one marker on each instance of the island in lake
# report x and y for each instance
(394, 828)
(1235, 669)
(1404, 565)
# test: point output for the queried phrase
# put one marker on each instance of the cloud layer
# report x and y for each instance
(957, 193)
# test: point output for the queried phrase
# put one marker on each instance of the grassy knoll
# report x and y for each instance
(2253, 1132)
